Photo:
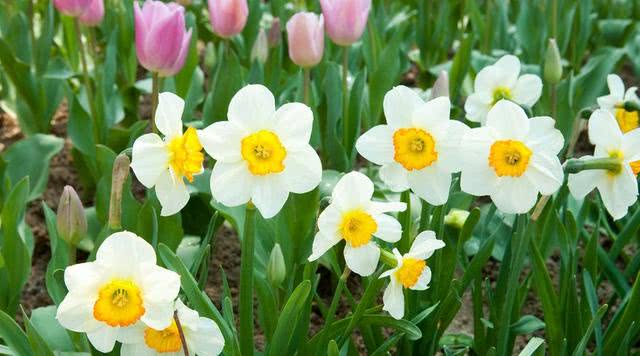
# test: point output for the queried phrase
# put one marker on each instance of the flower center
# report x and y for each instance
(119, 303)
(500, 93)
(414, 148)
(264, 153)
(185, 154)
(357, 227)
(509, 158)
(167, 340)
(627, 120)
(410, 271)
(620, 156)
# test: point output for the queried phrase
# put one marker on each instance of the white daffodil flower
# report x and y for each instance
(512, 158)
(619, 190)
(499, 81)
(352, 216)
(163, 163)
(121, 287)
(417, 148)
(202, 335)
(262, 153)
(411, 272)
(614, 103)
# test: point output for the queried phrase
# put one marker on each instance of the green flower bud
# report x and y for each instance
(456, 218)
(260, 50)
(71, 221)
(552, 63)
(276, 268)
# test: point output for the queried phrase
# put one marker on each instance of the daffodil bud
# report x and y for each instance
(260, 50)
(276, 268)
(552, 63)
(441, 86)
(71, 221)
(119, 178)
(456, 218)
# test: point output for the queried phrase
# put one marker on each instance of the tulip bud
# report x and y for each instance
(552, 63)
(345, 19)
(276, 268)
(274, 36)
(72, 7)
(260, 50)
(441, 86)
(94, 14)
(228, 17)
(71, 221)
(162, 42)
(306, 39)
(456, 218)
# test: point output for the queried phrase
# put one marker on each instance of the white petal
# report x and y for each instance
(222, 141)
(137, 349)
(172, 194)
(510, 67)
(479, 181)
(123, 252)
(393, 299)
(449, 147)
(631, 145)
(399, 105)
(329, 220)
(132, 334)
(619, 193)
(604, 130)
(509, 120)
(376, 145)
(103, 339)
(354, 190)
(394, 176)
(543, 136)
(232, 183)
(424, 245)
(303, 170)
(269, 196)
(528, 90)
(432, 113)
(630, 94)
(582, 183)
(545, 173)
(83, 278)
(169, 114)
(362, 260)
(423, 281)
(477, 106)
(208, 341)
(389, 229)
(378, 207)
(322, 243)
(158, 315)
(159, 285)
(149, 159)
(252, 108)
(514, 195)
(431, 184)
(189, 318)
(293, 125)
(608, 102)
(616, 86)
(75, 313)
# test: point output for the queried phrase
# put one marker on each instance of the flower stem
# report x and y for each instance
(611, 164)
(334, 305)
(246, 282)
(185, 348)
(155, 89)
(405, 220)
(72, 254)
(388, 258)
(345, 95)
(306, 85)
(97, 128)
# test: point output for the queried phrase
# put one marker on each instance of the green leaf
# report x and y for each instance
(288, 318)
(532, 346)
(460, 66)
(527, 325)
(38, 344)
(59, 257)
(13, 336)
(227, 81)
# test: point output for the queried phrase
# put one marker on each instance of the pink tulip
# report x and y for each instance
(162, 42)
(94, 14)
(72, 7)
(346, 19)
(306, 39)
(228, 17)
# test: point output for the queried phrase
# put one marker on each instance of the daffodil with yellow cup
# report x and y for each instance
(615, 103)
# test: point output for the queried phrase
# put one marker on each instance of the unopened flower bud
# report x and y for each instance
(275, 33)
(260, 50)
(119, 178)
(276, 268)
(71, 220)
(552, 63)
(441, 86)
(456, 218)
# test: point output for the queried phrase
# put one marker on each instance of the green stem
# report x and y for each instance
(155, 89)
(306, 85)
(97, 129)
(554, 101)
(554, 19)
(610, 163)
(345, 95)
(72, 254)
(246, 282)
(405, 220)
(388, 258)
(185, 348)
(334, 306)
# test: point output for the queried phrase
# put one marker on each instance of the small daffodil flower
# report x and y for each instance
(615, 101)
(618, 189)
(164, 163)
(353, 217)
(512, 158)
(122, 287)
(262, 153)
(411, 272)
(202, 335)
(418, 145)
(501, 80)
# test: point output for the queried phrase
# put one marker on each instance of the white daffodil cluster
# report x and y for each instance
(124, 296)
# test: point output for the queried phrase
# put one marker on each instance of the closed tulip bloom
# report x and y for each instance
(346, 19)
(94, 14)
(72, 7)
(228, 17)
(162, 41)
(306, 39)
